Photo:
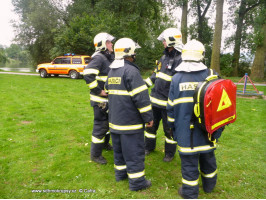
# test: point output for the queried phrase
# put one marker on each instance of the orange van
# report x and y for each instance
(69, 64)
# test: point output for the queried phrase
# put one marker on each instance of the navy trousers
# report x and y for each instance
(190, 173)
(100, 136)
(150, 133)
(129, 157)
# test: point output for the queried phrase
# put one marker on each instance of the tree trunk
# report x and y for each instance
(200, 25)
(257, 70)
(236, 54)
(216, 48)
(201, 18)
(184, 21)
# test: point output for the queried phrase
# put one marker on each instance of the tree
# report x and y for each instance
(48, 30)
(16, 52)
(200, 29)
(141, 20)
(3, 57)
(215, 59)
(201, 11)
(244, 8)
(258, 67)
(184, 21)
(40, 22)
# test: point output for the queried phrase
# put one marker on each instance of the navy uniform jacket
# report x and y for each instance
(162, 76)
(95, 75)
(179, 111)
(129, 102)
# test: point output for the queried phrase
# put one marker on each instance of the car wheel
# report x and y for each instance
(43, 73)
(74, 74)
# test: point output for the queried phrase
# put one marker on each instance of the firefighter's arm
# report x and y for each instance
(90, 73)
(140, 95)
(170, 106)
(150, 80)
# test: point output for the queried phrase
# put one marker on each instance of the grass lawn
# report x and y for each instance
(46, 127)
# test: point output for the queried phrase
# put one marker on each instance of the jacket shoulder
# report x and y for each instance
(131, 68)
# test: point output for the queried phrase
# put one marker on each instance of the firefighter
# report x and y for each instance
(95, 75)
(129, 110)
(193, 144)
(161, 78)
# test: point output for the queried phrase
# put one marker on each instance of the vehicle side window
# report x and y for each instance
(58, 61)
(76, 61)
(87, 60)
(66, 60)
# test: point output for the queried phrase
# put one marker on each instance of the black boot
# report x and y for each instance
(146, 186)
(168, 158)
(96, 153)
(107, 146)
(100, 159)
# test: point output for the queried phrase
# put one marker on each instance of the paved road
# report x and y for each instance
(30, 74)
(17, 73)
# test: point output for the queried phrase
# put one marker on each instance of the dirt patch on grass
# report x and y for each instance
(251, 97)
(25, 122)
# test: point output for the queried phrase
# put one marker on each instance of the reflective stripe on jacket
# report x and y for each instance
(129, 103)
(162, 76)
(95, 75)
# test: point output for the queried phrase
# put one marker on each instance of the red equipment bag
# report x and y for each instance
(215, 103)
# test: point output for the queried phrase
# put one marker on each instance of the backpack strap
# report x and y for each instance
(192, 122)
(211, 75)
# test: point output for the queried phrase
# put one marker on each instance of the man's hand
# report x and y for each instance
(103, 94)
(149, 124)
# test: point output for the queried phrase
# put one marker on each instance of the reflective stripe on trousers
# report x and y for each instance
(136, 175)
(191, 183)
(120, 167)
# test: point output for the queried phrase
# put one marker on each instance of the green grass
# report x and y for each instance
(46, 127)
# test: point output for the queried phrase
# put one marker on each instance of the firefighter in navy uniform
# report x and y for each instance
(129, 110)
(193, 144)
(95, 75)
(161, 78)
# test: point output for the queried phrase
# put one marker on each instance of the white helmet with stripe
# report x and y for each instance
(125, 47)
(172, 37)
(100, 41)
(193, 51)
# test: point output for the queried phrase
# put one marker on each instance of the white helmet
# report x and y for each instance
(193, 50)
(125, 47)
(172, 37)
(100, 41)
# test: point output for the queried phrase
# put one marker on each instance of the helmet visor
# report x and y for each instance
(137, 46)
(161, 37)
(110, 37)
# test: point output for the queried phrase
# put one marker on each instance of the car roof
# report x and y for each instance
(75, 56)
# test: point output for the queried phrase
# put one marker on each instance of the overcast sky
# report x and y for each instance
(6, 15)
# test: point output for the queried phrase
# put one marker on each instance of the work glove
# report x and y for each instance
(103, 107)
